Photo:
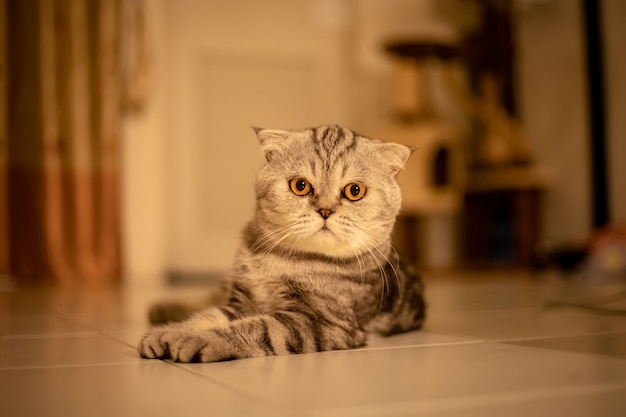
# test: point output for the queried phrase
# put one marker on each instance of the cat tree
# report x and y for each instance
(471, 194)
(425, 117)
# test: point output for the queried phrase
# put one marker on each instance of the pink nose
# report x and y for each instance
(325, 213)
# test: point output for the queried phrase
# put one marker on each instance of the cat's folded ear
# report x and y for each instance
(272, 141)
(396, 155)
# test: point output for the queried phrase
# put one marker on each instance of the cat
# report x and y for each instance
(315, 270)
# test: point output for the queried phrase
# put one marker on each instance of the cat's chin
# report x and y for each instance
(327, 243)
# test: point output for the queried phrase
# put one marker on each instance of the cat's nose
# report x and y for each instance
(325, 213)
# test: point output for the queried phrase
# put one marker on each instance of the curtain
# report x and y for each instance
(63, 129)
(4, 226)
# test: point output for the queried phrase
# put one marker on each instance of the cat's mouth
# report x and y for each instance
(325, 229)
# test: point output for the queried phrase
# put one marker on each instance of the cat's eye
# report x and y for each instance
(354, 191)
(300, 186)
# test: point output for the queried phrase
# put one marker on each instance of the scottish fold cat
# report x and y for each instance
(315, 270)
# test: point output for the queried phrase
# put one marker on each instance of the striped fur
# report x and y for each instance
(303, 282)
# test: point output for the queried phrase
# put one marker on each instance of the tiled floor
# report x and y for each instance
(491, 347)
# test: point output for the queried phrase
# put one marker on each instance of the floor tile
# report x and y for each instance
(605, 400)
(63, 350)
(522, 322)
(378, 378)
(611, 344)
(414, 338)
(152, 388)
(40, 323)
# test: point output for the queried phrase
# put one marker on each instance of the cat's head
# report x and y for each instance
(327, 190)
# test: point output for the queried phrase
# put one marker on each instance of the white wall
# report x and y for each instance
(190, 159)
(554, 114)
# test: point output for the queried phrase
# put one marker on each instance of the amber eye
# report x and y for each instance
(354, 191)
(300, 186)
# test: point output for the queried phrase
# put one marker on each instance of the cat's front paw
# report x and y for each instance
(155, 344)
(185, 345)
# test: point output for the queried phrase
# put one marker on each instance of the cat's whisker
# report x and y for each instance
(300, 236)
(397, 256)
(270, 240)
(296, 231)
(359, 260)
(370, 246)
(366, 249)
(286, 235)
(265, 237)
(383, 276)
(344, 228)
(393, 268)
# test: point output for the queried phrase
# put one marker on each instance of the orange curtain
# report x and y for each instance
(63, 140)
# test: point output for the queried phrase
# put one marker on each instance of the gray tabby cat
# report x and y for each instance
(315, 270)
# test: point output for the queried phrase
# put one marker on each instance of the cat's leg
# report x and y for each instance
(172, 311)
(280, 333)
(168, 312)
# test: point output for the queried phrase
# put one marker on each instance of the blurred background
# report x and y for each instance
(126, 152)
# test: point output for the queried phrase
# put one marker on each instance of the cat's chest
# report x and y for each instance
(276, 283)
(272, 280)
